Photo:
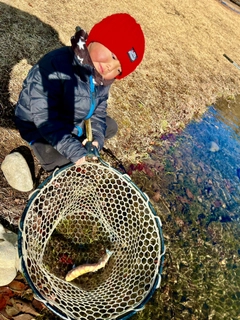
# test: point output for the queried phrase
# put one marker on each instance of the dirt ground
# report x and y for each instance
(183, 70)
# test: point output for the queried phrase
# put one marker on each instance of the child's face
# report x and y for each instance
(105, 62)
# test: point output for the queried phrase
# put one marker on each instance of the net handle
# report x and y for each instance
(92, 150)
(88, 127)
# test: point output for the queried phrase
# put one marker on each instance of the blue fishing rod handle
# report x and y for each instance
(92, 151)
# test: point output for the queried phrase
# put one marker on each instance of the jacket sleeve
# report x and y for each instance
(45, 94)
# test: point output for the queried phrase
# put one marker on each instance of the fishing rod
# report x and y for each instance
(234, 63)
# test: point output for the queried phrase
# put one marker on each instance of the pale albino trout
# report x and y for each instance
(85, 268)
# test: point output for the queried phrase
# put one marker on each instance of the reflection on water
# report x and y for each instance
(198, 175)
(229, 113)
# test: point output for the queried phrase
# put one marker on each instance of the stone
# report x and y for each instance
(17, 172)
(214, 147)
(9, 260)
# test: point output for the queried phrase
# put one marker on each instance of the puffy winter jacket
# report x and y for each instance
(57, 95)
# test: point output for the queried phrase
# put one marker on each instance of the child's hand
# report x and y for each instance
(83, 159)
(80, 161)
(94, 143)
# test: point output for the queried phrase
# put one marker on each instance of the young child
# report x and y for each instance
(71, 84)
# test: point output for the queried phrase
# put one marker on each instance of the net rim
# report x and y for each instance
(156, 283)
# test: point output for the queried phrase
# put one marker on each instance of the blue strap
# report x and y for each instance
(92, 97)
(92, 105)
(79, 131)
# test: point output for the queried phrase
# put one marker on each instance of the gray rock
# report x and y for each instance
(17, 173)
(9, 260)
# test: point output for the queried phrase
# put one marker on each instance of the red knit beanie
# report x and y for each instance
(123, 36)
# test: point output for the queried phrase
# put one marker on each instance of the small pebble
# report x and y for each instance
(213, 147)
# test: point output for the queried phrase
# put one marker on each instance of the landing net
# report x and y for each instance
(72, 218)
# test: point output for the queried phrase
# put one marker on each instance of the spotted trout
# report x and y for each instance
(86, 268)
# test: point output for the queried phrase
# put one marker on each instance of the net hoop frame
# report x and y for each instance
(23, 263)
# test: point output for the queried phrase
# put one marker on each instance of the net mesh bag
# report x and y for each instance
(72, 219)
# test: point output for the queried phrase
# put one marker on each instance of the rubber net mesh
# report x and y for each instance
(91, 208)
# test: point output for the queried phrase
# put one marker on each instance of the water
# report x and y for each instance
(210, 150)
(198, 175)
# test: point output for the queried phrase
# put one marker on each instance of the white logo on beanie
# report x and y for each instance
(132, 55)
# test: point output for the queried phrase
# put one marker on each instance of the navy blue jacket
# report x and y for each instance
(57, 95)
